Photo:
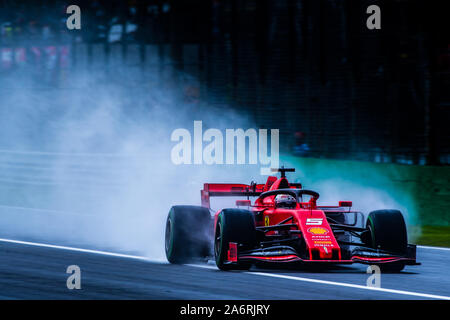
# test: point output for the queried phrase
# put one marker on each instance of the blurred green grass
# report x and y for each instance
(438, 236)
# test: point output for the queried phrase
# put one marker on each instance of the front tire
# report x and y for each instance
(233, 225)
(387, 231)
(188, 234)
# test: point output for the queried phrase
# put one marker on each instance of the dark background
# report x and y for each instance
(311, 68)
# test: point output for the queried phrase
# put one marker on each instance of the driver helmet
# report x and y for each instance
(285, 201)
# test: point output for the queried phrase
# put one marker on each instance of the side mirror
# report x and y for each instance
(243, 203)
(345, 203)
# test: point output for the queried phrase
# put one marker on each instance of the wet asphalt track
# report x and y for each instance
(36, 272)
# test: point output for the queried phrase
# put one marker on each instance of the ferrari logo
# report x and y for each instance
(266, 221)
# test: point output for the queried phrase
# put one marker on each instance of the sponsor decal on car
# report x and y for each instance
(314, 221)
(322, 242)
(317, 230)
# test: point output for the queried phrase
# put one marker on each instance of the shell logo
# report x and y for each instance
(317, 230)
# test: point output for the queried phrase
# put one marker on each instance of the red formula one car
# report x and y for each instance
(285, 225)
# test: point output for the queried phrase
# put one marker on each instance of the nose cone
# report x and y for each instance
(325, 253)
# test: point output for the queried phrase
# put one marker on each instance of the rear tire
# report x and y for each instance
(387, 230)
(188, 234)
(233, 225)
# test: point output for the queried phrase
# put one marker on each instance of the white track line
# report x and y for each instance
(334, 283)
(342, 284)
(434, 248)
(106, 253)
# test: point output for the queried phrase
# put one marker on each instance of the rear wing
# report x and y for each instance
(229, 190)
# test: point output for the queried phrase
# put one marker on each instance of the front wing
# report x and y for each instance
(286, 254)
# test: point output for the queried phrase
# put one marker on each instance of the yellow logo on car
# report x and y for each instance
(266, 221)
(322, 242)
(317, 230)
